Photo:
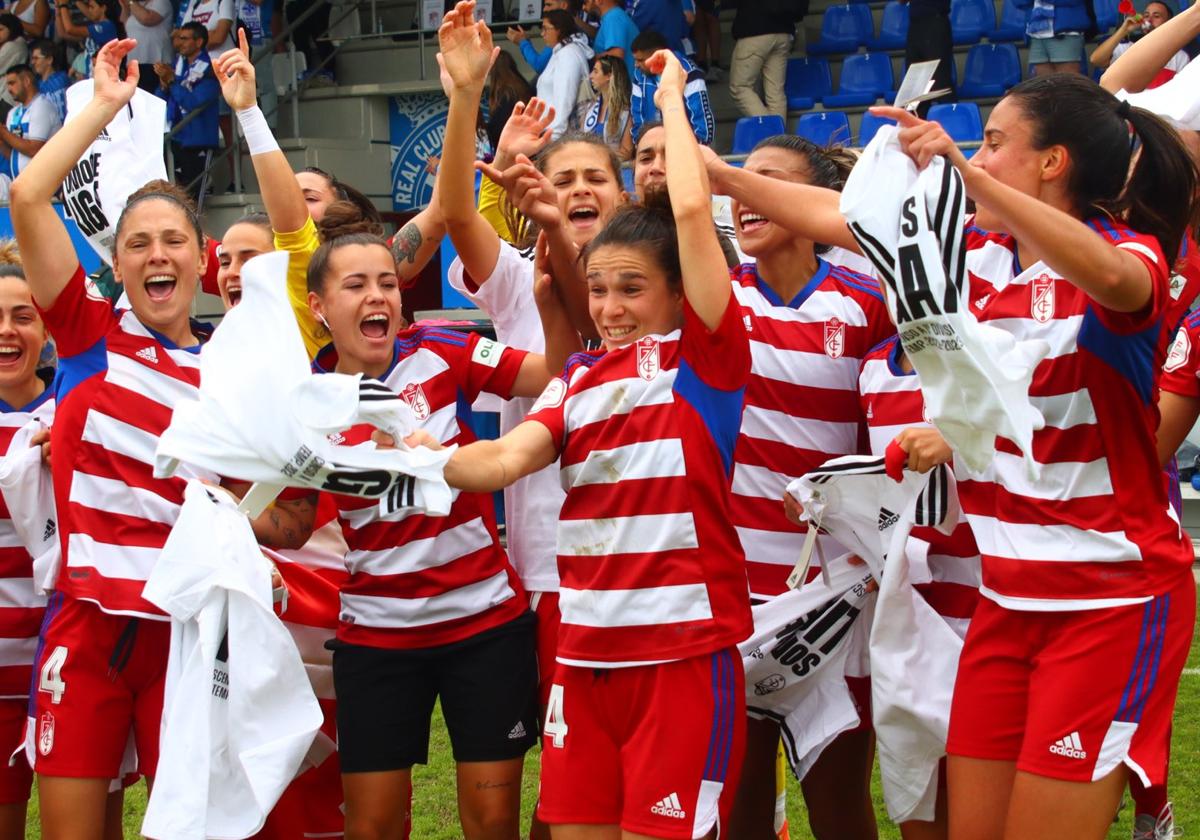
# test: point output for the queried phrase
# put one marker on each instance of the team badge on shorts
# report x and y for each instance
(1041, 305)
(1181, 348)
(46, 734)
(835, 338)
(647, 358)
(414, 395)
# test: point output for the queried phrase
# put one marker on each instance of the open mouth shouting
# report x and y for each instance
(160, 287)
(375, 326)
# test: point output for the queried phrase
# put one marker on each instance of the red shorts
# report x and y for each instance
(98, 676)
(311, 806)
(860, 693)
(545, 606)
(15, 779)
(1072, 695)
(656, 749)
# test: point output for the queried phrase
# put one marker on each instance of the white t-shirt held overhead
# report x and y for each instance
(209, 12)
(531, 504)
(153, 42)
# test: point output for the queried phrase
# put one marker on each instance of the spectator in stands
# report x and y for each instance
(608, 115)
(642, 107)
(191, 86)
(505, 88)
(1131, 29)
(538, 59)
(616, 33)
(1145, 61)
(664, 17)
(13, 49)
(763, 35)
(217, 17)
(930, 38)
(34, 16)
(1055, 29)
(30, 123)
(47, 60)
(149, 22)
(310, 38)
(103, 24)
(559, 83)
(706, 31)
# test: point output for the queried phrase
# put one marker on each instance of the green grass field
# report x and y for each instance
(435, 817)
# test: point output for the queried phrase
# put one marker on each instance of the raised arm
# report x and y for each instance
(1113, 277)
(67, 27)
(465, 57)
(1102, 55)
(1139, 64)
(812, 212)
(46, 248)
(705, 277)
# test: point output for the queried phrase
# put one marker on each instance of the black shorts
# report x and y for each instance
(487, 685)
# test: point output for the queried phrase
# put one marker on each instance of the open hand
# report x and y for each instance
(109, 88)
(526, 133)
(466, 47)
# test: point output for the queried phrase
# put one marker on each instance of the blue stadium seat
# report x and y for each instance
(844, 29)
(991, 70)
(1012, 23)
(749, 130)
(824, 127)
(971, 20)
(808, 81)
(1107, 16)
(893, 27)
(865, 78)
(869, 126)
(961, 120)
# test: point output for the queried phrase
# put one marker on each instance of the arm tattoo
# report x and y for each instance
(406, 244)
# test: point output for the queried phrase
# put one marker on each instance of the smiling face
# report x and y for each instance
(22, 336)
(588, 192)
(650, 160)
(1008, 155)
(242, 242)
(629, 295)
(1156, 15)
(159, 260)
(360, 302)
(318, 193)
(756, 235)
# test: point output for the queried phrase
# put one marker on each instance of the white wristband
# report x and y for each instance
(258, 134)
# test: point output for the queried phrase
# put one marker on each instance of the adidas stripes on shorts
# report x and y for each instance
(656, 749)
(487, 685)
(1072, 695)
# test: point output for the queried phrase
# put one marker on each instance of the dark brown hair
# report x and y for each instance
(649, 227)
(343, 224)
(162, 191)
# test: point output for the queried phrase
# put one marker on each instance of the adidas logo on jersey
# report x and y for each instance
(148, 354)
(887, 519)
(517, 731)
(51, 530)
(1070, 746)
(669, 806)
(982, 302)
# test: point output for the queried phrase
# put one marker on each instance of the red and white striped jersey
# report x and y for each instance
(1094, 530)
(649, 564)
(417, 580)
(118, 385)
(21, 607)
(891, 401)
(801, 404)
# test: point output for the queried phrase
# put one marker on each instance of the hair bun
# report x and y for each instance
(345, 218)
(9, 253)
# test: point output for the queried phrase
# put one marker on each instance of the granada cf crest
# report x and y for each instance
(835, 338)
(1181, 348)
(1041, 305)
(414, 395)
(647, 358)
(46, 733)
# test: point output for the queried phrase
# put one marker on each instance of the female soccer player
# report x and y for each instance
(432, 608)
(644, 723)
(25, 395)
(1068, 678)
(103, 647)
(810, 325)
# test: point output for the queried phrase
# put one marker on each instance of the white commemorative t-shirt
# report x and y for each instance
(533, 503)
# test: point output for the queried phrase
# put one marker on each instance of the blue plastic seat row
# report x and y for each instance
(991, 69)
(846, 28)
